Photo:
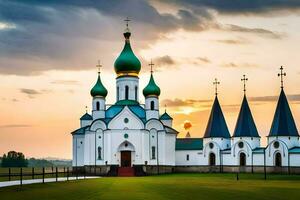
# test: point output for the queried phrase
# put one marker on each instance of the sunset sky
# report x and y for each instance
(49, 50)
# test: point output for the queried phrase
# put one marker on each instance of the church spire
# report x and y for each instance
(216, 126)
(283, 122)
(245, 126)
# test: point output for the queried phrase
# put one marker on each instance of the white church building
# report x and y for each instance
(129, 138)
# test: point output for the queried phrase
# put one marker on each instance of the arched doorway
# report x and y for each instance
(126, 150)
(278, 160)
(242, 159)
(212, 159)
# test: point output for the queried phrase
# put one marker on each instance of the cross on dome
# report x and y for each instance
(244, 79)
(127, 20)
(216, 83)
(281, 74)
(151, 66)
(99, 66)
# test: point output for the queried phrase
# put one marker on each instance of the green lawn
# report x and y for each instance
(175, 186)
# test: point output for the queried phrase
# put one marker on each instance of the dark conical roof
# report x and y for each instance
(165, 116)
(86, 116)
(283, 123)
(216, 126)
(245, 126)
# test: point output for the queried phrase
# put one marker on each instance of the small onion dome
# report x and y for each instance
(151, 88)
(127, 64)
(99, 89)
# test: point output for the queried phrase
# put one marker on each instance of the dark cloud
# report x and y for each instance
(241, 7)
(292, 98)
(31, 93)
(239, 65)
(164, 60)
(233, 41)
(65, 82)
(15, 126)
(203, 59)
(181, 103)
(64, 34)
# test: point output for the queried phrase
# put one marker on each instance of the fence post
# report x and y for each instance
(43, 174)
(9, 174)
(76, 173)
(84, 173)
(64, 171)
(56, 174)
(32, 173)
(21, 176)
(237, 176)
(67, 173)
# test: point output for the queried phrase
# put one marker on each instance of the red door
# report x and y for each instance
(125, 158)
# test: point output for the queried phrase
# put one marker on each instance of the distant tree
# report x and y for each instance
(32, 162)
(14, 159)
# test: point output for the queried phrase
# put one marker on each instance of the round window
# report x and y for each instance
(126, 135)
(99, 137)
(211, 145)
(126, 144)
(276, 145)
(126, 120)
(241, 144)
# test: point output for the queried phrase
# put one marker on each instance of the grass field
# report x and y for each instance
(174, 186)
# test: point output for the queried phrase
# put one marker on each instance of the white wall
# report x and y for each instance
(132, 83)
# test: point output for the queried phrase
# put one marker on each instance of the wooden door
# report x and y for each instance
(125, 158)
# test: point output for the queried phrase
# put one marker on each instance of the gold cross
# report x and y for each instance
(86, 109)
(244, 79)
(216, 83)
(127, 20)
(281, 74)
(99, 66)
(151, 66)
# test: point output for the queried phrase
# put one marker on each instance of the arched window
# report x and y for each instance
(242, 159)
(126, 92)
(97, 105)
(136, 92)
(118, 93)
(187, 157)
(278, 161)
(99, 153)
(212, 159)
(152, 105)
(153, 152)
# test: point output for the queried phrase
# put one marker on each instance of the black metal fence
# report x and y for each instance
(21, 174)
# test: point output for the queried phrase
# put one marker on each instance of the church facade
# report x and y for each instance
(129, 134)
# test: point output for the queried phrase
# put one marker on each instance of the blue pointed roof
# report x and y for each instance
(245, 126)
(216, 126)
(165, 116)
(86, 116)
(283, 123)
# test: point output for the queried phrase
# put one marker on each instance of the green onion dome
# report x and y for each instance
(99, 89)
(151, 88)
(127, 63)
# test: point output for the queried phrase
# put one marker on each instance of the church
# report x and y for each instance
(130, 138)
